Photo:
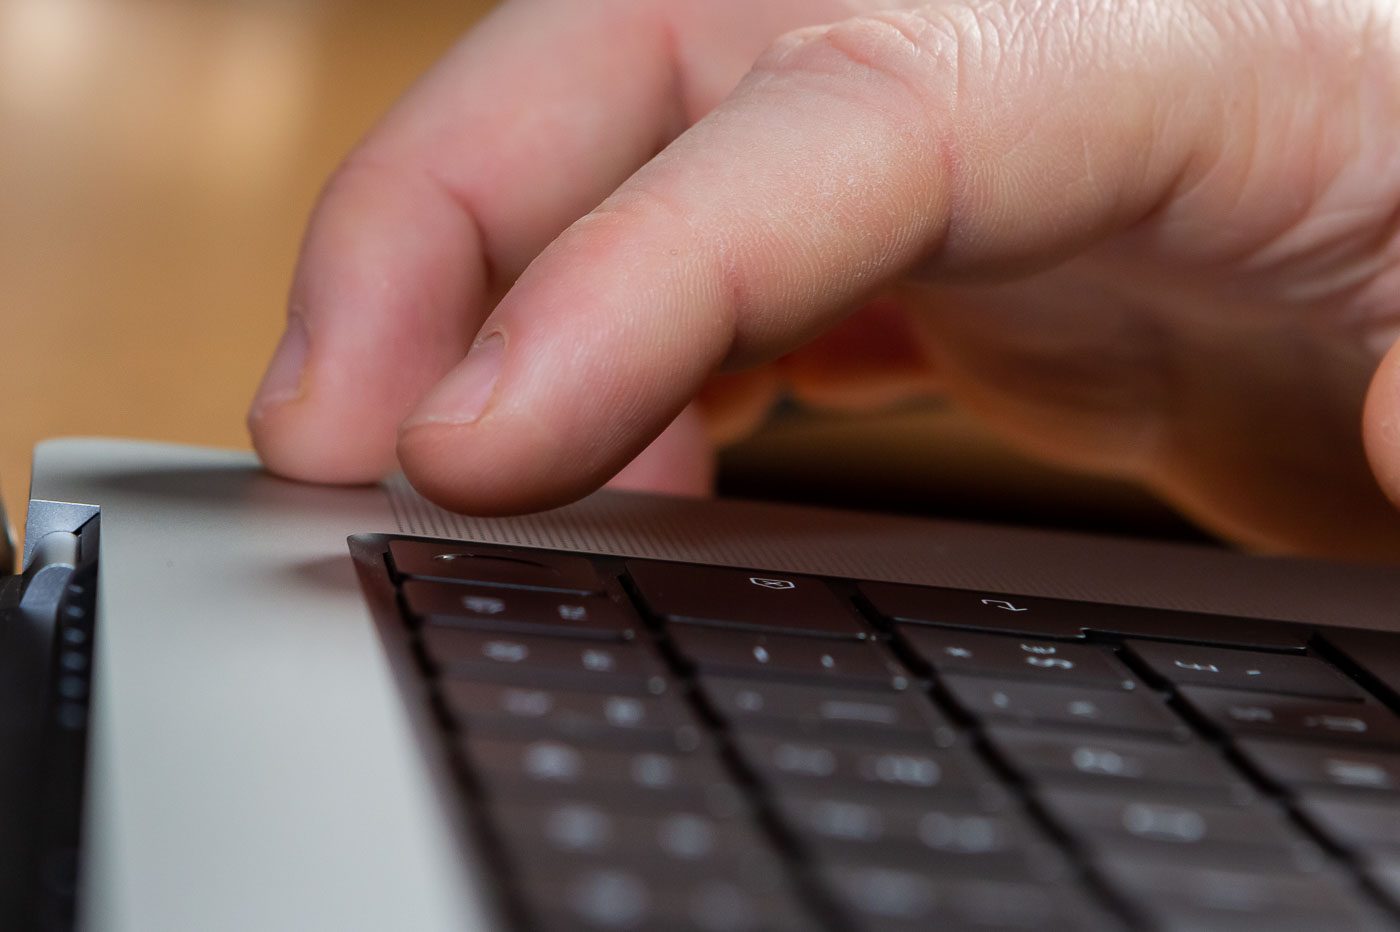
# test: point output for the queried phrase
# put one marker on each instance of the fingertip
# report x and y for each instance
(296, 443)
(462, 468)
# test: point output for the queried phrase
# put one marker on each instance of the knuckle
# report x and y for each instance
(911, 51)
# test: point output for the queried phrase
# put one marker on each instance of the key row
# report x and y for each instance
(798, 604)
(870, 682)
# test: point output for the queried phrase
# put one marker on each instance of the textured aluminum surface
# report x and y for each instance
(960, 555)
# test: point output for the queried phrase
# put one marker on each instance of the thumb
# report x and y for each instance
(973, 141)
(1381, 424)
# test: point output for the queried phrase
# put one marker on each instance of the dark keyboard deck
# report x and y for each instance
(649, 745)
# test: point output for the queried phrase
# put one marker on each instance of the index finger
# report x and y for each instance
(530, 121)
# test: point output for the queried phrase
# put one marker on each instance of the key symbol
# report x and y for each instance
(483, 605)
(766, 583)
(1038, 648)
(1083, 708)
(545, 761)
(1336, 723)
(505, 651)
(1357, 773)
(1251, 713)
(1198, 667)
(573, 613)
(1102, 761)
(1055, 663)
(598, 661)
(1004, 605)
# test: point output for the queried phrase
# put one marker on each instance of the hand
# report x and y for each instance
(1152, 239)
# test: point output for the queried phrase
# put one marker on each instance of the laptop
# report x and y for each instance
(257, 705)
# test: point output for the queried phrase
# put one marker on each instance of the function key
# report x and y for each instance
(780, 602)
(754, 705)
(951, 651)
(627, 666)
(1375, 652)
(1036, 616)
(1294, 766)
(1066, 706)
(1103, 760)
(1193, 627)
(747, 653)
(1241, 713)
(521, 610)
(494, 565)
(966, 608)
(1191, 664)
(601, 718)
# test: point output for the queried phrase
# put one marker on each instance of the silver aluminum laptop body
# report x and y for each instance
(254, 764)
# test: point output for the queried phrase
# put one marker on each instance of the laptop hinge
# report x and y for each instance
(45, 517)
(51, 564)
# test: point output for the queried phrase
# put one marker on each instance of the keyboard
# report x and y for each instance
(640, 744)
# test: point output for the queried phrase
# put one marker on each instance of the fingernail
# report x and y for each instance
(463, 396)
(282, 381)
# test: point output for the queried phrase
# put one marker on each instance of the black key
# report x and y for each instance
(528, 659)
(1356, 823)
(1191, 627)
(546, 767)
(937, 836)
(1191, 664)
(1072, 706)
(746, 653)
(966, 608)
(494, 565)
(950, 651)
(780, 602)
(784, 708)
(606, 719)
(573, 826)
(1254, 835)
(1034, 616)
(824, 767)
(632, 896)
(1239, 713)
(891, 899)
(1384, 873)
(1090, 759)
(521, 611)
(1375, 652)
(1292, 766)
(1183, 896)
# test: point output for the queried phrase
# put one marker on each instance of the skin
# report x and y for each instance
(1150, 239)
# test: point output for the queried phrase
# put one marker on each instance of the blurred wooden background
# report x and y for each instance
(157, 161)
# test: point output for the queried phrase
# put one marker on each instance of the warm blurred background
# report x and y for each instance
(157, 161)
